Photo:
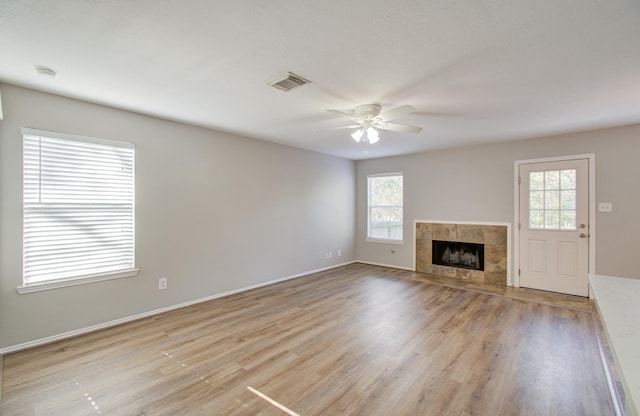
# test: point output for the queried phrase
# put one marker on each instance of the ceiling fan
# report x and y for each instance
(370, 120)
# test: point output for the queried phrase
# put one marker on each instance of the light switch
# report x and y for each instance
(605, 207)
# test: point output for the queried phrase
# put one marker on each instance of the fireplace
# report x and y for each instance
(489, 266)
(458, 254)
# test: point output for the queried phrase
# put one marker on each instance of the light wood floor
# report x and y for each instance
(357, 340)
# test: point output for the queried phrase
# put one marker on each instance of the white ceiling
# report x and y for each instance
(475, 70)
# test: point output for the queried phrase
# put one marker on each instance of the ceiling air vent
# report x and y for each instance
(288, 81)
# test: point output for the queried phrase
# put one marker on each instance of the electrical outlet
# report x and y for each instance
(339, 253)
(162, 283)
(331, 254)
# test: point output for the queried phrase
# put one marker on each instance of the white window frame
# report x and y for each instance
(44, 283)
(369, 207)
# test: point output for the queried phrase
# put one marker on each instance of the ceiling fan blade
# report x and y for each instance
(402, 128)
(343, 114)
(397, 112)
(340, 128)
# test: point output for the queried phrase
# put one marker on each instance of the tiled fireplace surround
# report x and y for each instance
(494, 237)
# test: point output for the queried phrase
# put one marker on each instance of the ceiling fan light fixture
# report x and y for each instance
(372, 135)
(369, 120)
(357, 135)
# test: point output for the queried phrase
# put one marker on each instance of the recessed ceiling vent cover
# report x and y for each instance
(288, 81)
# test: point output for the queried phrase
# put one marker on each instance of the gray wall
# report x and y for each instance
(217, 212)
(477, 184)
(214, 212)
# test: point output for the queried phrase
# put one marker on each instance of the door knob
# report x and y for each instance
(583, 235)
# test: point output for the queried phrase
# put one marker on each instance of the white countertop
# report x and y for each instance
(618, 301)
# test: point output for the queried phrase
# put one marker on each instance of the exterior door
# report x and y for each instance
(554, 226)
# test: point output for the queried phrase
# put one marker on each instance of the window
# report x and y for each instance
(385, 207)
(78, 210)
(552, 200)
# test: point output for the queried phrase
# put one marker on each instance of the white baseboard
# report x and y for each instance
(93, 328)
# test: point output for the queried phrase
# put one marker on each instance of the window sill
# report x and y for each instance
(37, 287)
(375, 240)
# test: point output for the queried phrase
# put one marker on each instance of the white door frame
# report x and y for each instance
(592, 209)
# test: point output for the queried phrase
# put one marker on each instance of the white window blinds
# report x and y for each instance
(385, 207)
(78, 205)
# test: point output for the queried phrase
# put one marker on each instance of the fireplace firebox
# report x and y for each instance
(457, 254)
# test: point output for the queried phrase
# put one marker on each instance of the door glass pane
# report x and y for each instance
(568, 200)
(536, 218)
(552, 179)
(552, 219)
(536, 181)
(536, 200)
(568, 179)
(567, 220)
(552, 200)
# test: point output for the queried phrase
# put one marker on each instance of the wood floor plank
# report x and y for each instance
(354, 340)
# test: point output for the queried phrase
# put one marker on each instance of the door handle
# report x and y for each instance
(583, 235)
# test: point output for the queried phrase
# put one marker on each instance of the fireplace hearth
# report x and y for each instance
(458, 254)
